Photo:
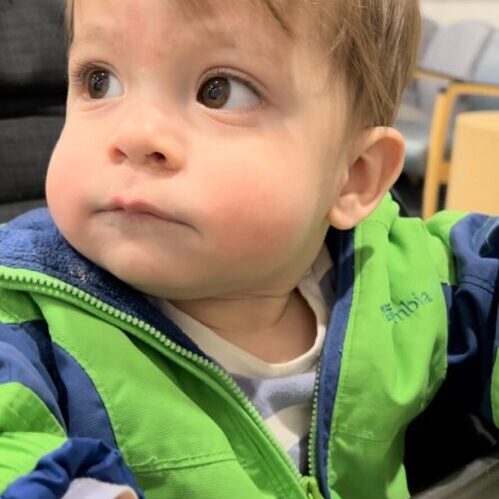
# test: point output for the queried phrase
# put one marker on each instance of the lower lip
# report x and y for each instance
(139, 216)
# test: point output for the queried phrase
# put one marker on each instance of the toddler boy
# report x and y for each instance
(221, 300)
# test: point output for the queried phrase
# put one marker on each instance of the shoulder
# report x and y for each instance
(456, 243)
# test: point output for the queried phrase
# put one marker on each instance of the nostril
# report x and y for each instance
(157, 156)
(117, 156)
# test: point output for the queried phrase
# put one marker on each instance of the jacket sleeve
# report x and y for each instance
(37, 457)
(472, 299)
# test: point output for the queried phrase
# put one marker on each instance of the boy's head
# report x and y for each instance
(209, 144)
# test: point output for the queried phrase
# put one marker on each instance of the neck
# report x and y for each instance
(274, 328)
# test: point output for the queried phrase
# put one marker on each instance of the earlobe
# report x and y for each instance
(376, 165)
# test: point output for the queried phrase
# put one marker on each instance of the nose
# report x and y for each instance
(145, 137)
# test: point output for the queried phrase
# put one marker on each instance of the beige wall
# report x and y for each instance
(447, 11)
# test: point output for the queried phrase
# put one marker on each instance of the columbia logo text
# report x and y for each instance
(403, 311)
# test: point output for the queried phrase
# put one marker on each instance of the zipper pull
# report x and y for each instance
(311, 487)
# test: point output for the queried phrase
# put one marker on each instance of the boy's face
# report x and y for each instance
(200, 156)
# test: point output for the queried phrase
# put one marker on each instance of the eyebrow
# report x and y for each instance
(93, 33)
(227, 38)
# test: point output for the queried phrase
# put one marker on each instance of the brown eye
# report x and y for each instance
(98, 84)
(215, 92)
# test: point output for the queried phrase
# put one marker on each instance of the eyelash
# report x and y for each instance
(222, 73)
(78, 76)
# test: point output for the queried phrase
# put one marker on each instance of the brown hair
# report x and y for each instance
(372, 43)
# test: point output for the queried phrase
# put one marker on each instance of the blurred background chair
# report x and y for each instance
(453, 50)
(457, 72)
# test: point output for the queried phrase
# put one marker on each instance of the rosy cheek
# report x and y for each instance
(56, 197)
(248, 218)
(55, 178)
(62, 183)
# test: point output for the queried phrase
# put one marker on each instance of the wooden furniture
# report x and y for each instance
(437, 169)
(474, 175)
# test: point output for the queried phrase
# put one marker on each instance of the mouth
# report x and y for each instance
(139, 209)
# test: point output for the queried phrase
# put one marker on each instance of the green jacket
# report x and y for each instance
(95, 382)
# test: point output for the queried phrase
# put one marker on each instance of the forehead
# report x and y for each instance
(252, 26)
(281, 12)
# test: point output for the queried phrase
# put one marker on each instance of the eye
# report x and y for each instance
(102, 84)
(228, 92)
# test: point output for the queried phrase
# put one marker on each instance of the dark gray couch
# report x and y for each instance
(32, 98)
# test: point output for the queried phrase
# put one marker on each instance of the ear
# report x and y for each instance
(377, 163)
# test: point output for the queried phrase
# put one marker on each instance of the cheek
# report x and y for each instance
(57, 182)
(261, 195)
(248, 213)
(65, 183)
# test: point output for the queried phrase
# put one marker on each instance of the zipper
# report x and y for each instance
(38, 283)
(312, 439)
